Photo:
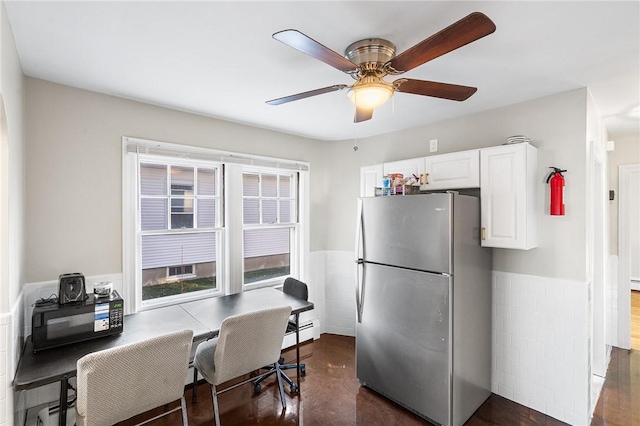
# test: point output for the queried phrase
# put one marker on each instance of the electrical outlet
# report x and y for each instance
(433, 145)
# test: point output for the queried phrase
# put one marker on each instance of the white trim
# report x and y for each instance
(230, 259)
(233, 222)
(596, 259)
(130, 268)
(304, 229)
(625, 214)
(292, 225)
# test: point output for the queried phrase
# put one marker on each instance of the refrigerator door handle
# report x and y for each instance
(359, 262)
(359, 235)
(359, 289)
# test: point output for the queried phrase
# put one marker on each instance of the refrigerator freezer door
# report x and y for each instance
(408, 231)
(403, 341)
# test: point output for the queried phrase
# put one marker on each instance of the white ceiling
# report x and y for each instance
(218, 58)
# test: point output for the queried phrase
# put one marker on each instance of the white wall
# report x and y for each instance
(557, 126)
(74, 171)
(11, 214)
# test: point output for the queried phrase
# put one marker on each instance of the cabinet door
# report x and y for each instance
(454, 170)
(507, 190)
(370, 178)
(413, 166)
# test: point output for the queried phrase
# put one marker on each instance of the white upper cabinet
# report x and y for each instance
(508, 196)
(408, 168)
(453, 171)
(370, 178)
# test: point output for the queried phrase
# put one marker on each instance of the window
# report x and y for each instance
(179, 227)
(200, 223)
(269, 224)
(182, 271)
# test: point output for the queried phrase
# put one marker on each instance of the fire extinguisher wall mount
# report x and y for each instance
(556, 181)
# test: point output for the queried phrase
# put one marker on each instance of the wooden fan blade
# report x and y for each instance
(308, 94)
(453, 92)
(297, 40)
(468, 29)
(362, 114)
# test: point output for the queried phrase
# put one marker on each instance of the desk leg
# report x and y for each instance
(62, 414)
(298, 351)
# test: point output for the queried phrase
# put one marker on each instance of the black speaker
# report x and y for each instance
(71, 288)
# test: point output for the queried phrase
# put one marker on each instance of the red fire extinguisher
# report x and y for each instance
(557, 191)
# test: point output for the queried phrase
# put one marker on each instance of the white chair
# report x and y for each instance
(116, 384)
(246, 343)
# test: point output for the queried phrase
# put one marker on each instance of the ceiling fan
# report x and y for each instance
(369, 61)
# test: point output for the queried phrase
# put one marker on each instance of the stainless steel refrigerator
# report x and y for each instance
(423, 294)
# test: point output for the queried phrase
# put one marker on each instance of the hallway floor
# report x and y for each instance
(331, 395)
(635, 320)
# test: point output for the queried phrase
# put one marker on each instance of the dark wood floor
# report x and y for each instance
(331, 395)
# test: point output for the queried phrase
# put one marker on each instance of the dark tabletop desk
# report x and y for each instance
(204, 317)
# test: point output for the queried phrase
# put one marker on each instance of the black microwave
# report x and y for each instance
(94, 317)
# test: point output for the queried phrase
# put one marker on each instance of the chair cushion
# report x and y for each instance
(203, 359)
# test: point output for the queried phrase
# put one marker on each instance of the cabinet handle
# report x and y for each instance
(483, 236)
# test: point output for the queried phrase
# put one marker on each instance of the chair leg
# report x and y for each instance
(194, 385)
(183, 406)
(292, 366)
(280, 387)
(261, 379)
(216, 410)
(287, 379)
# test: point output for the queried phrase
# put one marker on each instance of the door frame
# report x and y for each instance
(597, 254)
(625, 174)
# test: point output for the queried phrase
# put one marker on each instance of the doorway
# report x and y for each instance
(629, 253)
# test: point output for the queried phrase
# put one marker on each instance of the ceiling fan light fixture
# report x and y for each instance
(370, 95)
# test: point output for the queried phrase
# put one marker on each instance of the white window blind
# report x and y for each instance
(164, 149)
(177, 249)
(269, 224)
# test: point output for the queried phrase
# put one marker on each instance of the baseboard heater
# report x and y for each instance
(308, 331)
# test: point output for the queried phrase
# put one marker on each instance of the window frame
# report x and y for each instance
(294, 225)
(230, 278)
(191, 274)
(217, 229)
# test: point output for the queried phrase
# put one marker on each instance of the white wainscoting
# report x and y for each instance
(6, 393)
(612, 310)
(340, 293)
(316, 283)
(541, 344)
(10, 346)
